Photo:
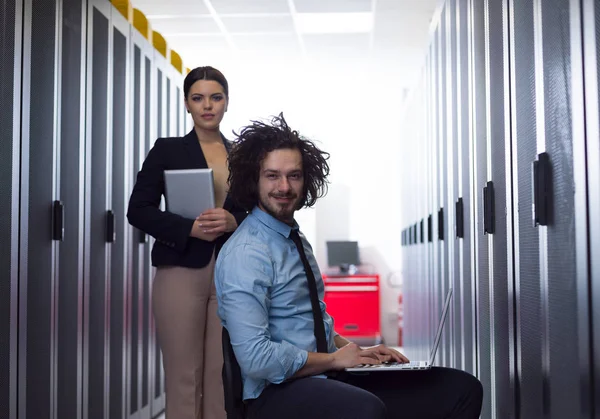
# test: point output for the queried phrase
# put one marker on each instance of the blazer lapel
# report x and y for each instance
(194, 151)
(198, 161)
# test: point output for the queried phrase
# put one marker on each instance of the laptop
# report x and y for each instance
(413, 365)
(189, 192)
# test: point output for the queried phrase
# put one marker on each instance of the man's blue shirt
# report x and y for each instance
(264, 301)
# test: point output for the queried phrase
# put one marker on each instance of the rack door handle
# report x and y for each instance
(489, 216)
(142, 237)
(441, 224)
(58, 221)
(460, 219)
(430, 228)
(110, 227)
(542, 190)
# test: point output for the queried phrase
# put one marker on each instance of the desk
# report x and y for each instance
(353, 302)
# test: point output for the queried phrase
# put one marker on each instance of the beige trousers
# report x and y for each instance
(189, 333)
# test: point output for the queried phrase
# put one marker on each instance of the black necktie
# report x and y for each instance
(314, 296)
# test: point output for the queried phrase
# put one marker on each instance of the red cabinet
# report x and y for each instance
(353, 302)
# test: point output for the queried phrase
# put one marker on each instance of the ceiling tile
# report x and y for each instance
(259, 24)
(407, 6)
(273, 44)
(170, 8)
(183, 25)
(332, 6)
(337, 41)
(186, 43)
(250, 6)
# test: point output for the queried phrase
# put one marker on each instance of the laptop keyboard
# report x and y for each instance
(392, 364)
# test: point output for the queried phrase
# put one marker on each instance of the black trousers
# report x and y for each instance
(438, 393)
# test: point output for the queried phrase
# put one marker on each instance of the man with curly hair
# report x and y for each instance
(270, 294)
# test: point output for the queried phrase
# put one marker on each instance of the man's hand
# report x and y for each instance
(216, 221)
(385, 354)
(352, 355)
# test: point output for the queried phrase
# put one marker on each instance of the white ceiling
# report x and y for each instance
(205, 31)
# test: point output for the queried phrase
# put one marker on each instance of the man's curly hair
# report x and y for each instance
(253, 144)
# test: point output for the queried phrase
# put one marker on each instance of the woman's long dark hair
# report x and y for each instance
(253, 144)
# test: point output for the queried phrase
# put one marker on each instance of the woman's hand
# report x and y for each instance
(199, 233)
(216, 221)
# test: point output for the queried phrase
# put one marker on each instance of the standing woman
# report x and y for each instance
(183, 297)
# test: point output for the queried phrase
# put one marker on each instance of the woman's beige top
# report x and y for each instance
(216, 158)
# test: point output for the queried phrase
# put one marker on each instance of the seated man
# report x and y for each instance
(270, 294)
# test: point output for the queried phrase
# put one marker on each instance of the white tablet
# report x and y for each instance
(189, 192)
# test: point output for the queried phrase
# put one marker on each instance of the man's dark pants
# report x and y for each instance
(438, 393)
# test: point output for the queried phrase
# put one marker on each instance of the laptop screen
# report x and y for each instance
(438, 334)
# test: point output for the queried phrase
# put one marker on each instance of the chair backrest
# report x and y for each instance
(232, 381)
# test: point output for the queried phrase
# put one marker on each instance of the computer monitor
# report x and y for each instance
(343, 254)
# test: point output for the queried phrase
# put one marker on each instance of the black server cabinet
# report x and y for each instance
(119, 231)
(421, 209)
(477, 107)
(428, 165)
(41, 214)
(525, 132)
(50, 271)
(498, 209)
(436, 157)
(591, 31)
(169, 102)
(139, 307)
(564, 313)
(71, 186)
(431, 188)
(99, 211)
(161, 114)
(444, 350)
(10, 126)
(466, 280)
(179, 110)
(453, 326)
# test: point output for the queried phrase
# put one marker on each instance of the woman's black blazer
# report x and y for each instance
(173, 246)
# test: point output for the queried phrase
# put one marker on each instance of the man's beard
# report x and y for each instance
(284, 213)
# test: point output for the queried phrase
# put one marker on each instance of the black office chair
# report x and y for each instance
(232, 381)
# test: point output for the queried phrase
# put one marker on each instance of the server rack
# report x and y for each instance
(10, 125)
(71, 171)
(118, 229)
(564, 251)
(465, 282)
(140, 308)
(524, 126)
(162, 94)
(68, 165)
(589, 279)
(453, 330)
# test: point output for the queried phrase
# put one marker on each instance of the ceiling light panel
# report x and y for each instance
(250, 6)
(270, 43)
(161, 8)
(333, 6)
(185, 43)
(407, 6)
(334, 42)
(184, 25)
(281, 23)
(334, 23)
(197, 56)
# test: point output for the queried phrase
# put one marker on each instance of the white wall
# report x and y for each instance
(351, 109)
